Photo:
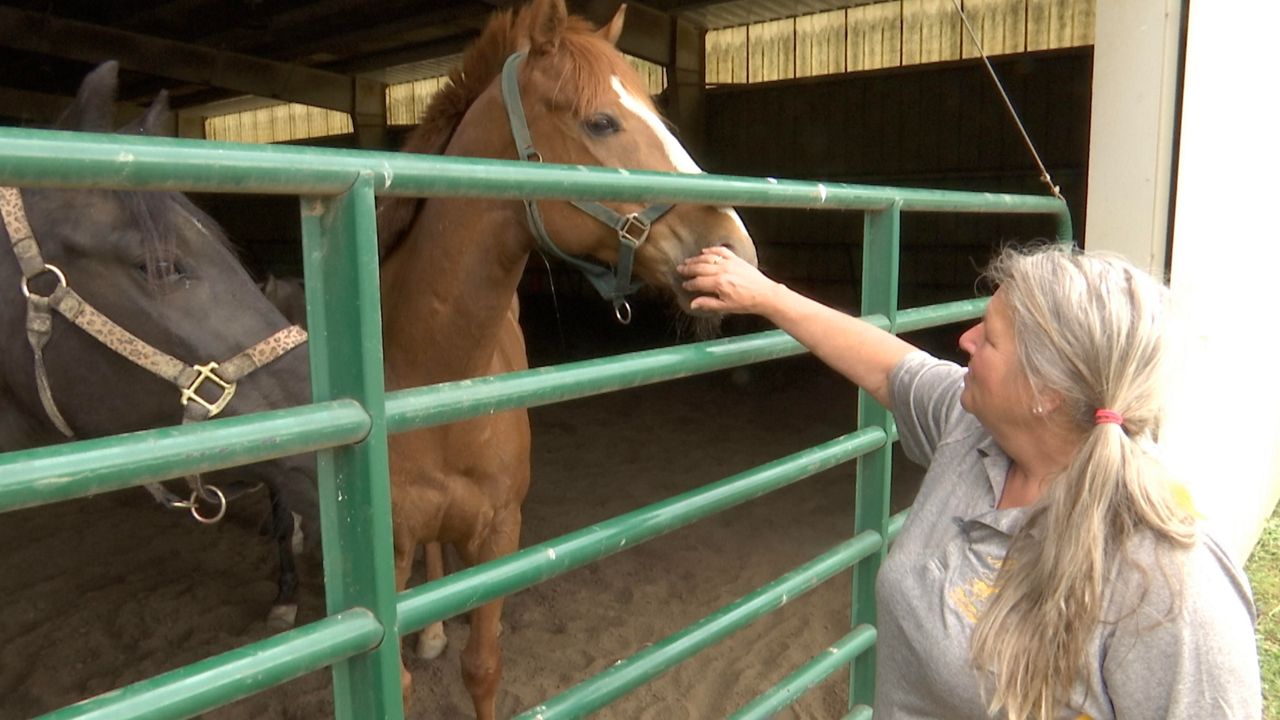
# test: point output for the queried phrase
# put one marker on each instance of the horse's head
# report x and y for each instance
(585, 105)
(156, 266)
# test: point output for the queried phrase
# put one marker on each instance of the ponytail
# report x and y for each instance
(1088, 328)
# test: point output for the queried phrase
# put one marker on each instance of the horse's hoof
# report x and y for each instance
(432, 642)
(282, 617)
(297, 540)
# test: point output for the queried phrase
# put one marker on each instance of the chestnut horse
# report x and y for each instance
(451, 267)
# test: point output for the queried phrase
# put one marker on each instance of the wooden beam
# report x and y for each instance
(34, 32)
(32, 108)
(646, 34)
(686, 84)
(677, 6)
(404, 55)
(367, 35)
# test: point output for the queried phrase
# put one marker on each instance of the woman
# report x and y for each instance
(1049, 567)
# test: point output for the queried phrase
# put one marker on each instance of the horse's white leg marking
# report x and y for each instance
(282, 617)
(297, 541)
(432, 640)
(676, 153)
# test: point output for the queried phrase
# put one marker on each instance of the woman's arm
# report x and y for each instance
(856, 349)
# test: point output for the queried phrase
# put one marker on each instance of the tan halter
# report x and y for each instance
(187, 378)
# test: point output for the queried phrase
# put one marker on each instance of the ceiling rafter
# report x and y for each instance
(60, 37)
(305, 51)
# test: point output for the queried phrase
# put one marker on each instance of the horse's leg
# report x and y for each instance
(284, 612)
(404, 548)
(432, 640)
(482, 657)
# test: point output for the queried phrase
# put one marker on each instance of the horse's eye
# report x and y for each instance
(170, 271)
(601, 125)
(164, 271)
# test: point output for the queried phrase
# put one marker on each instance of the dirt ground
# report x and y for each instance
(105, 591)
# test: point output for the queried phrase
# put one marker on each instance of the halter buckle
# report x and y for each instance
(205, 372)
(634, 229)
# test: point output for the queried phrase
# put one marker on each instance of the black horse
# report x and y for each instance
(161, 270)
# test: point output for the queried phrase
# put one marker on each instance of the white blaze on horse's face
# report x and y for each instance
(676, 153)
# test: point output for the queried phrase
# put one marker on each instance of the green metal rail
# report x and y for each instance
(352, 414)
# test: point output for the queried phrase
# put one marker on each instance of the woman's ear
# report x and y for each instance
(1047, 402)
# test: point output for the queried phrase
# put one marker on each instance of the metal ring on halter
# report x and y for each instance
(208, 493)
(62, 279)
(622, 311)
(195, 509)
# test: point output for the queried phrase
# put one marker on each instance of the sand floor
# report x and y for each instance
(105, 591)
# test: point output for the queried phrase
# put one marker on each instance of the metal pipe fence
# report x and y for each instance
(352, 415)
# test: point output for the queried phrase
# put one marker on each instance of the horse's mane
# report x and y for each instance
(592, 63)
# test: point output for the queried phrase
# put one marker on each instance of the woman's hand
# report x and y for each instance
(728, 284)
(858, 350)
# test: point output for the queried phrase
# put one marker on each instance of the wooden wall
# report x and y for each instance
(941, 125)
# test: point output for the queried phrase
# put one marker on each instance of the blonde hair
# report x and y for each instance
(1090, 328)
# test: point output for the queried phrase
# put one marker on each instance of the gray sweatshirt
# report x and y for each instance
(1177, 639)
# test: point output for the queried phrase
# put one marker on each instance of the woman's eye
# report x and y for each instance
(601, 124)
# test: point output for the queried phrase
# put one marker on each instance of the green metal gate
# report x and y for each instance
(351, 416)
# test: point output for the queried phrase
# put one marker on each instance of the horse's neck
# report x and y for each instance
(448, 293)
(19, 430)
(20, 427)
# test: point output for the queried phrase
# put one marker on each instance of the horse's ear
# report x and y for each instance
(155, 121)
(613, 29)
(547, 22)
(95, 105)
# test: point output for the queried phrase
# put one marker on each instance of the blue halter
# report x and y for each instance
(632, 229)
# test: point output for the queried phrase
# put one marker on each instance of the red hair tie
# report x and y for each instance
(1103, 417)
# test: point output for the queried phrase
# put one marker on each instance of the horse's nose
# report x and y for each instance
(742, 247)
(728, 230)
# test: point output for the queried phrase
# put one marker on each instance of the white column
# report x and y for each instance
(1135, 56)
(1223, 431)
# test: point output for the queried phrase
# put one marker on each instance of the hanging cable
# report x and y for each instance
(1044, 173)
